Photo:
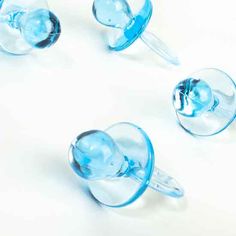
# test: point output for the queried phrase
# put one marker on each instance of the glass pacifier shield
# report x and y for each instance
(11, 39)
(220, 115)
(128, 19)
(134, 144)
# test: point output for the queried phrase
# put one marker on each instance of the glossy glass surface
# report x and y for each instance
(119, 162)
(205, 103)
(129, 18)
(113, 13)
(40, 28)
(27, 24)
(96, 156)
(192, 97)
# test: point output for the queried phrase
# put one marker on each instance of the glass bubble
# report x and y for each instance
(192, 97)
(96, 156)
(40, 28)
(113, 13)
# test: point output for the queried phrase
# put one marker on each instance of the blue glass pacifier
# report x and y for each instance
(205, 103)
(27, 24)
(129, 20)
(118, 164)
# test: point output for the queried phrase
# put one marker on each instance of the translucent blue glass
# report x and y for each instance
(194, 97)
(40, 28)
(97, 155)
(205, 103)
(118, 164)
(25, 25)
(130, 19)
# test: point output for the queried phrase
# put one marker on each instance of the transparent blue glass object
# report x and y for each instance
(27, 24)
(205, 103)
(130, 19)
(118, 164)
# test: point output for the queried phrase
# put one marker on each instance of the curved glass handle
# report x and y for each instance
(156, 45)
(165, 184)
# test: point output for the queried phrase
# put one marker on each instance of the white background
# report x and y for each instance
(49, 97)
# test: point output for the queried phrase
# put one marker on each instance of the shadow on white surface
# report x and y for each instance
(227, 136)
(141, 54)
(146, 206)
(232, 131)
(150, 204)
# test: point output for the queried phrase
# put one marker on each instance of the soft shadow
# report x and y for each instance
(56, 56)
(145, 56)
(55, 168)
(137, 52)
(226, 136)
(232, 131)
(16, 60)
(150, 204)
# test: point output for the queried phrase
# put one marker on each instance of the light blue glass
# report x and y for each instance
(130, 19)
(205, 103)
(27, 24)
(118, 164)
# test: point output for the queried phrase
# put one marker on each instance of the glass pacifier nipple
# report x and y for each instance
(118, 164)
(130, 25)
(205, 103)
(25, 25)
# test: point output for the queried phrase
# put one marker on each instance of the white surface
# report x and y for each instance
(49, 97)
